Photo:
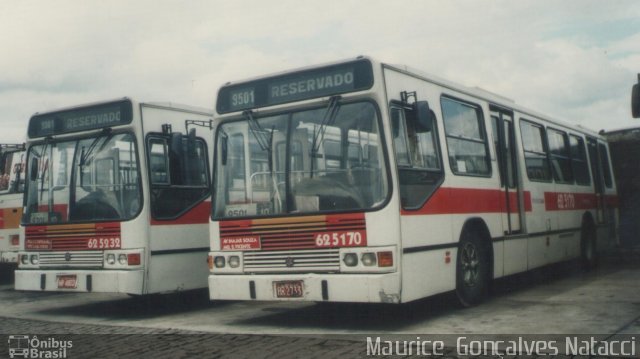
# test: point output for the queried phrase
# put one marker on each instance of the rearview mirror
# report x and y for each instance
(175, 145)
(176, 156)
(423, 115)
(223, 149)
(191, 142)
(33, 171)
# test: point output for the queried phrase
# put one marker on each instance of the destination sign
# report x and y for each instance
(81, 119)
(325, 81)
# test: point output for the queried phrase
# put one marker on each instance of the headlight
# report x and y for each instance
(24, 259)
(122, 259)
(369, 259)
(34, 259)
(350, 259)
(234, 261)
(111, 259)
(219, 261)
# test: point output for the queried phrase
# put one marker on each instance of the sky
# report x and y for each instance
(575, 60)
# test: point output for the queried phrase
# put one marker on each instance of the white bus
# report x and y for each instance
(11, 188)
(117, 199)
(360, 181)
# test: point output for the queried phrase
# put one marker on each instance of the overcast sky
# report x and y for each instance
(574, 60)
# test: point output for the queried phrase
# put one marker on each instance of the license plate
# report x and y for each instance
(67, 281)
(289, 289)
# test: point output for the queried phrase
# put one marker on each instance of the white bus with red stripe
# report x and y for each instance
(12, 157)
(361, 181)
(117, 199)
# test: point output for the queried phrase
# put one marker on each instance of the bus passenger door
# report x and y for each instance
(504, 137)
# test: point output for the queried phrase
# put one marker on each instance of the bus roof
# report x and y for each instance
(472, 91)
(489, 97)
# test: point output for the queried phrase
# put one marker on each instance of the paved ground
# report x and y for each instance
(605, 303)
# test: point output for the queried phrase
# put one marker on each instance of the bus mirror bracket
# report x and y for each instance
(423, 115)
(635, 99)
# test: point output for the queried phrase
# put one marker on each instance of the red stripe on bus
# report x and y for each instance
(197, 215)
(448, 200)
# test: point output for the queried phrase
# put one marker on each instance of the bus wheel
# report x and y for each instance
(588, 254)
(472, 270)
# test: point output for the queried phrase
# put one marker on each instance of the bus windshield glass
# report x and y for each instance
(80, 180)
(318, 160)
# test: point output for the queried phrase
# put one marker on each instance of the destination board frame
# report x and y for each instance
(84, 118)
(301, 85)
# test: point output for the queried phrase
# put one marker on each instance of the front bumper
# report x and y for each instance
(105, 281)
(367, 288)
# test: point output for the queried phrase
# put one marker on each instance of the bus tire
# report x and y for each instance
(588, 253)
(472, 270)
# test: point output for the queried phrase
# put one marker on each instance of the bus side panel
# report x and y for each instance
(424, 268)
(178, 257)
(430, 234)
(177, 247)
(424, 271)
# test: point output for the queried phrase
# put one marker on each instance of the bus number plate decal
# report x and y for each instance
(67, 281)
(104, 243)
(289, 289)
(341, 239)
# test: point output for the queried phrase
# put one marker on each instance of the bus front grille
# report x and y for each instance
(74, 259)
(321, 260)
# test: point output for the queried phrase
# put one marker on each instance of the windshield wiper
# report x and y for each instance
(265, 141)
(257, 131)
(328, 119)
(85, 155)
(45, 169)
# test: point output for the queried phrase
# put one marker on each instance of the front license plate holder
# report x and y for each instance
(289, 289)
(67, 281)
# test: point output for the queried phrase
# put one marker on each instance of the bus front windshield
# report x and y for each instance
(80, 180)
(327, 159)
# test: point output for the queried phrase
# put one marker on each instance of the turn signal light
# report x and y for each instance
(15, 239)
(133, 259)
(385, 259)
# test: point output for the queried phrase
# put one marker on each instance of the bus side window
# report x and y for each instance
(579, 160)
(158, 161)
(418, 158)
(560, 156)
(466, 138)
(536, 151)
(606, 169)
